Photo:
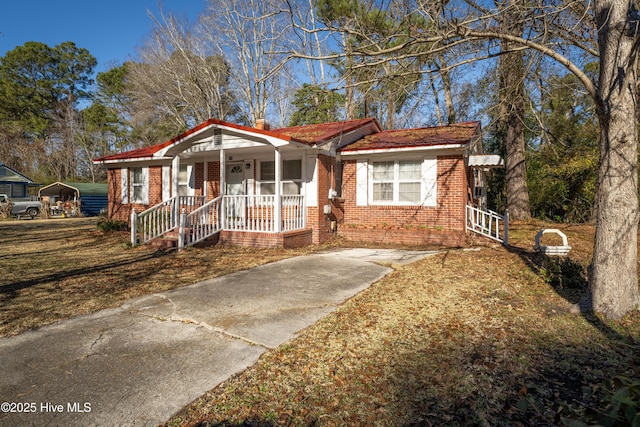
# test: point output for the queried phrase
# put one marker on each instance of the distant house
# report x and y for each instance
(13, 183)
(301, 185)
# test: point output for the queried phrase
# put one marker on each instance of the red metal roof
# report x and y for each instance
(308, 134)
(459, 133)
(317, 134)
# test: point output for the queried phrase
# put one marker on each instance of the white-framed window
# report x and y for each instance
(183, 180)
(291, 177)
(478, 184)
(396, 182)
(139, 185)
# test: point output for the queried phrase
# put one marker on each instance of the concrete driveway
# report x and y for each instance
(141, 363)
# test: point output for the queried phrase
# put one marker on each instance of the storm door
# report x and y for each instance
(236, 202)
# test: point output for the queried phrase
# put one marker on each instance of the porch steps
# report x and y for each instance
(163, 244)
(167, 241)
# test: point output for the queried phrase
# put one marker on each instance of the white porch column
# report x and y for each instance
(175, 171)
(277, 218)
(222, 172)
(204, 180)
(223, 205)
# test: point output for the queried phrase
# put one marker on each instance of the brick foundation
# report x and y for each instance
(409, 236)
(290, 239)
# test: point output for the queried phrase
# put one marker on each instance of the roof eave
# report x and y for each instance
(361, 152)
(129, 160)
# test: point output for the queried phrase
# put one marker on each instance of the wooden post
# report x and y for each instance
(175, 171)
(181, 229)
(506, 228)
(134, 228)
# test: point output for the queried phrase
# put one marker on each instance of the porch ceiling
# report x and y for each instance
(236, 152)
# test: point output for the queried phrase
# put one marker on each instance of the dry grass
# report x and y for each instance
(55, 269)
(482, 337)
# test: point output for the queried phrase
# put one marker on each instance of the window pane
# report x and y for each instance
(292, 169)
(267, 171)
(410, 170)
(137, 193)
(136, 175)
(267, 188)
(409, 192)
(290, 188)
(182, 175)
(383, 192)
(383, 171)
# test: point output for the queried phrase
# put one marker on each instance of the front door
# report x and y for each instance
(235, 186)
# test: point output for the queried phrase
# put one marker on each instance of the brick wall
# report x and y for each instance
(291, 239)
(115, 210)
(199, 179)
(155, 185)
(442, 224)
(213, 180)
(316, 218)
(118, 211)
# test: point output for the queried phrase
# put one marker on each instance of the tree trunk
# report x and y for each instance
(614, 270)
(512, 100)
(512, 104)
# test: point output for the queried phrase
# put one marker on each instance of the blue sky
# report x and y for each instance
(110, 29)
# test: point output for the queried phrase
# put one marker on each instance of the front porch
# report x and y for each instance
(254, 220)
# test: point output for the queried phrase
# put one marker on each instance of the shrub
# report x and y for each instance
(108, 225)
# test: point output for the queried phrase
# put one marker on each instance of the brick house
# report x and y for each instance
(300, 185)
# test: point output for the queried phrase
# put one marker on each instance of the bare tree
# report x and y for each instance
(177, 78)
(249, 34)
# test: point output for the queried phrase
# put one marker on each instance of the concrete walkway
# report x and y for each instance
(141, 363)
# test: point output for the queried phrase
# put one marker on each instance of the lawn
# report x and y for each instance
(483, 337)
(477, 336)
(58, 268)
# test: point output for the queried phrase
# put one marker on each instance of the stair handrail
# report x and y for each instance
(154, 221)
(201, 223)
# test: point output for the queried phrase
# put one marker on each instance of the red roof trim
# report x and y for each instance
(152, 149)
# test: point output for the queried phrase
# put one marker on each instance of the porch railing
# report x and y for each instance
(488, 223)
(196, 220)
(161, 218)
(258, 213)
(200, 223)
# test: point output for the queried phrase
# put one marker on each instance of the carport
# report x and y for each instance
(91, 197)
